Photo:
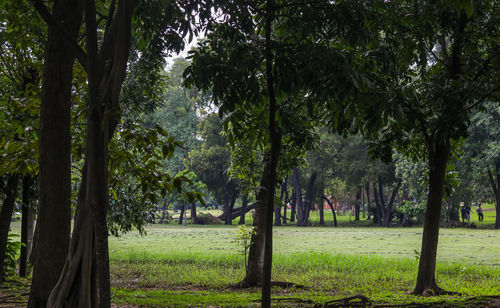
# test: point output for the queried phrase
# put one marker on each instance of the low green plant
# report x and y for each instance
(13, 248)
(243, 239)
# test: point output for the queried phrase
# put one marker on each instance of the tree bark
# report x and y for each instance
(5, 218)
(285, 202)
(299, 208)
(84, 281)
(23, 258)
(496, 191)
(368, 202)
(293, 206)
(388, 210)
(379, 218)
(181, 216)
(194, 217)
(330, 204)
(164, 211)
(244, 202)
(426, 280)
(269, 176)
(309, 199)
(356, 205)
(54, 221)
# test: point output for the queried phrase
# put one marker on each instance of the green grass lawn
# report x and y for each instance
(196, 265)
(178, 266)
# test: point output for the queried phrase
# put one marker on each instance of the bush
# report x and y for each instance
(207, 219)
(13, 248)
(410, 212)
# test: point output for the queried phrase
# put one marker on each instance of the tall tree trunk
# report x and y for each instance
(321, 215)
(496, 191)
(244, 202)
(6, 217)
(388, 210)
(164, 211)
(23, 258)
(330, 204)
(356, 205)
(269, 176)
(368, 202)
(53, 225)
(85, 280)
(181, 216)
(227, 205)
(379, 218)
(194, 217)
(426, 279)
(285, 201)
(293, 206)
(309, 199)
(299, 209)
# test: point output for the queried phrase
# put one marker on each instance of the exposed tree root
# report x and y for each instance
(347, 302)
(434, 291)
(282, 284)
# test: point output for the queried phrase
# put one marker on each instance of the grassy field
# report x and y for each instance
(196, 265)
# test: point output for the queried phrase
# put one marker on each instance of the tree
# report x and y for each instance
(434, 76)
(84, 281)
(20, 62)
(211, 160)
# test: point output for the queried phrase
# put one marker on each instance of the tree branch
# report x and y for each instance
(78, 52)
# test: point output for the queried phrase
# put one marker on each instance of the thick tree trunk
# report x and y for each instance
(23, 258)
(255, 267)
(299, 209)
(53, 224)
(5, 218)
(85, 280)
(244, 202)
(496, 191)
(426, 280)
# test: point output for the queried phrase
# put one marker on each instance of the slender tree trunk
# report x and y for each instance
(227, 205)
(426, 279)
(298, 197)
(194, 217)
(321, 215)
(53, 226)
(368, 202)
(388, 211)
(330, 204)
(244, 202)
(309, 198)
(23, 258)
(285, 202)
(379, 218)
(164, 211)
(496, 191)
(181, 216)
(5, 218)
(293, 206)
(356, 205)
(269, 176)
